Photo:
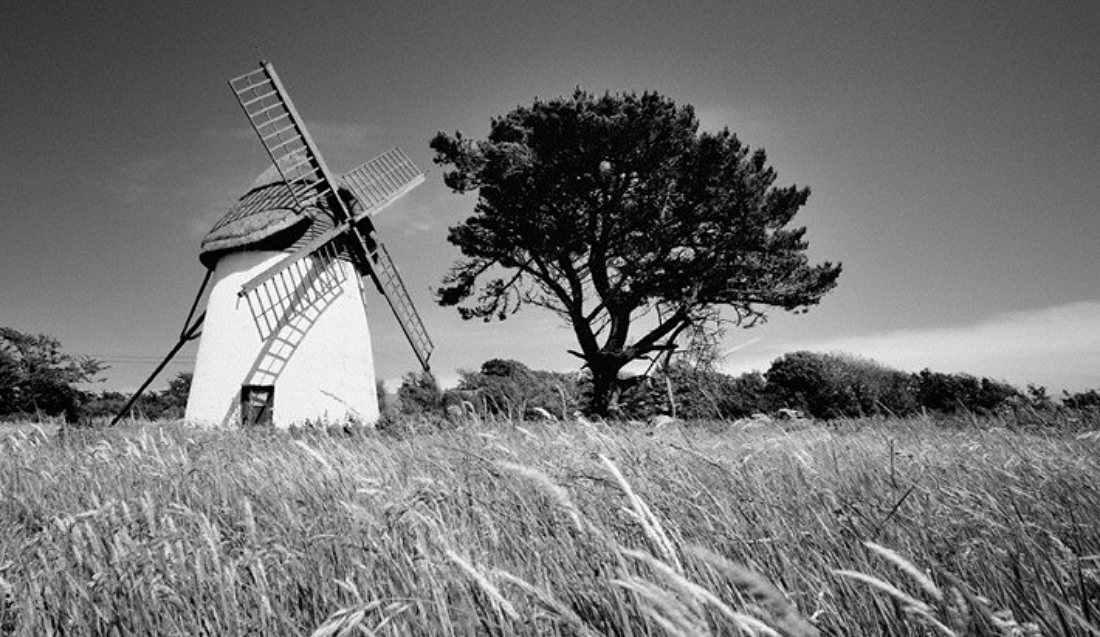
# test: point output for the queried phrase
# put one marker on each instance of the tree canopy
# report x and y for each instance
(607, 209)
(37, 377)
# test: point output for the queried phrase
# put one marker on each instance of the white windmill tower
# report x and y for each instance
(284, 337)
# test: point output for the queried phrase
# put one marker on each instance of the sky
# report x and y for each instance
(952, 150)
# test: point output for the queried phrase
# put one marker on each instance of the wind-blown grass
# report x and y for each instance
(895, 528)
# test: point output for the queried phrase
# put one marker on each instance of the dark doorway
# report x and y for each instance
(257, 404)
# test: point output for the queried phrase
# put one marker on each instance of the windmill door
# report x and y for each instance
(257, 404)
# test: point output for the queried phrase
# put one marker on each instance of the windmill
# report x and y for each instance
(284, 337)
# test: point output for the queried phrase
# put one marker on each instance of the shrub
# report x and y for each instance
(813, 383)
(840, 385)
(697, 393)
(168, 404)
(875, 389)
(745, 395)
(1082, 400)
(419, 393)
(949, 393)
(510, 388)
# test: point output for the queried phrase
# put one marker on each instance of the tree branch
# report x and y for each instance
(646, 343)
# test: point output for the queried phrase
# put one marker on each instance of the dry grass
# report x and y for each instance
(895, 528)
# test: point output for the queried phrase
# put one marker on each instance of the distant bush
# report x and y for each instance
(844, 386)
(828, 385)
(950, 393)
(168, 404)
(103, 404)
(876, 388)
(1082, 400)
(510, 388)
(745, 395)
(419, 393)
(696, 393)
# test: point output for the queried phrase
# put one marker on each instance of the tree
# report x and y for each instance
(173, 399)
(36, 376)
(614, 212)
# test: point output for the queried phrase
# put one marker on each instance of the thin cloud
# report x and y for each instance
(326, 134)
(414, 223)
(411, 217)
(428, 210)
(199, 225)
(138, 179)
(329, 134)
(1056, 346)
(203, 200)
(234, 133)
(740, 121)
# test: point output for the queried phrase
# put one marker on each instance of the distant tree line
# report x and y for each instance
(822, 386)
(500, 388)
(168, 404)
(38, 379)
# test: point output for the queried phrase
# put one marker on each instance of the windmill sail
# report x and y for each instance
(393, 288)
(376, 184)
(379, 182)
(274, 295)
(284, 137)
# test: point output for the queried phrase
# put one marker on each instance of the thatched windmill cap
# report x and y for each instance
(265, 218)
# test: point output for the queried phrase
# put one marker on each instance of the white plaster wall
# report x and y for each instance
(321, 364)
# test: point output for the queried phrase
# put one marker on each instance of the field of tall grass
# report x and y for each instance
(903, 527)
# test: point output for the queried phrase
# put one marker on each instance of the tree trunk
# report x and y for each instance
(605, 385)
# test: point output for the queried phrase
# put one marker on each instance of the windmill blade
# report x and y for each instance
(389, 283)
(382, 180)
(286, 140)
